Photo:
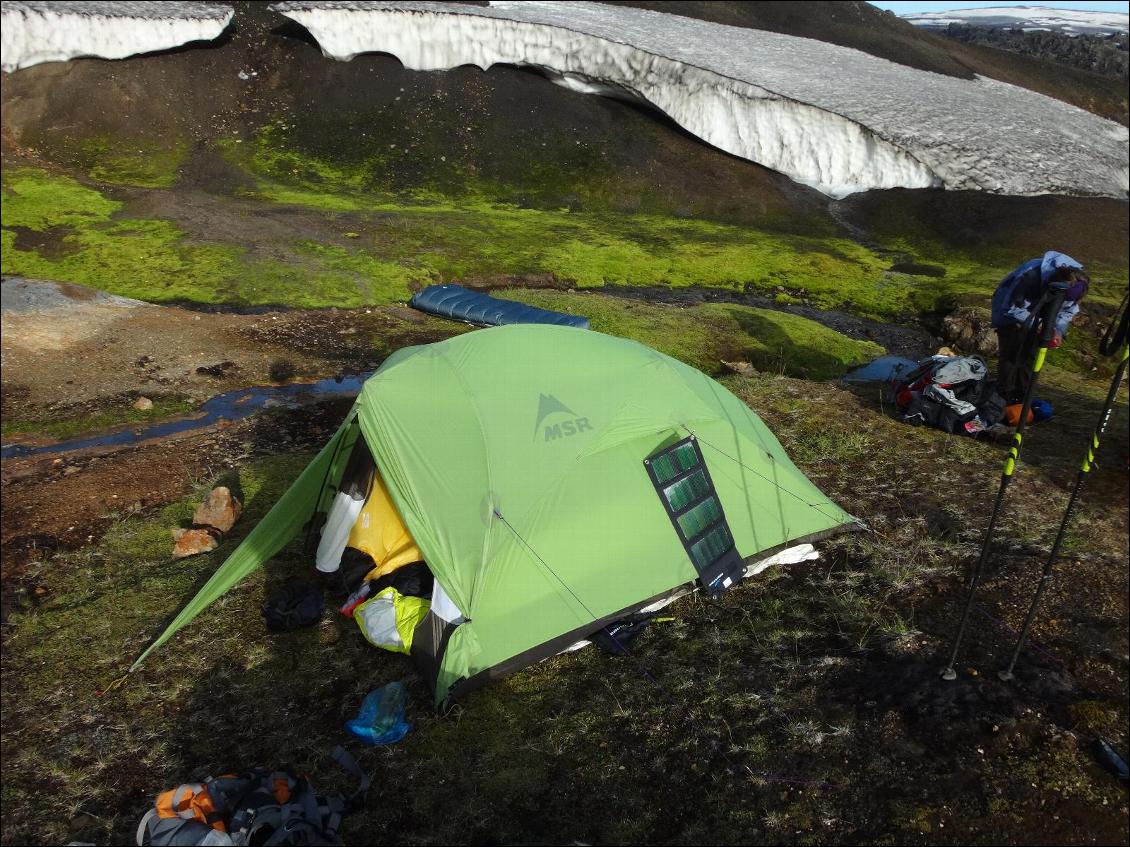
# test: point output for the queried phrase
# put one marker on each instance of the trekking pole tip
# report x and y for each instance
(949, 674)
(1005, 675)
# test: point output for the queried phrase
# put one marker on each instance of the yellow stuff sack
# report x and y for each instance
(381, 533)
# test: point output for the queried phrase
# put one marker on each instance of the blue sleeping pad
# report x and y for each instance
(461, 304)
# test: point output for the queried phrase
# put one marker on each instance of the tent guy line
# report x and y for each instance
(776, 485)
(715, 747)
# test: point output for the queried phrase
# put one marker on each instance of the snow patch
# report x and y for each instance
(830, 117)
(1028, 18)
(35, 32)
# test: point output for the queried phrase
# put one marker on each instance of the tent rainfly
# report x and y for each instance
(555, 480)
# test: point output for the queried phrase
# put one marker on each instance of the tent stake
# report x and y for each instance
(1051, 306)
(1084, 469)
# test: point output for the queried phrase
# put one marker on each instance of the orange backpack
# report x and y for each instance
(1012, 414)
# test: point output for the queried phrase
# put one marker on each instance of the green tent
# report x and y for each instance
(555, 480)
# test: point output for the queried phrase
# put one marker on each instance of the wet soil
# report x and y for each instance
(51, 243)
(265, 230)
(54, 503)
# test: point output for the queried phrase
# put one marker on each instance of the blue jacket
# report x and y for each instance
(1017, 292)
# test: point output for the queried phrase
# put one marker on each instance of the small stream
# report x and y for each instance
(229, 406)
(911, 341)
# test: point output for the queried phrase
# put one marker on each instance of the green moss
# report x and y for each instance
(449, 240)
(141, 163)
(915, 818)
(408, 152)
(379, 281)
(669, 329)
(1060, 767)
(703, 335)
(152, 260)
(454, 220)
(38, 200)
(1094, 717)
(417, 244)
(68, 426)
(408, 233)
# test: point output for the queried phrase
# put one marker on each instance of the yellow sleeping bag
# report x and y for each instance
(381, 533)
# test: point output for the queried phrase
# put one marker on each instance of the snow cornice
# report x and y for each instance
(830, 117)
(35, 32)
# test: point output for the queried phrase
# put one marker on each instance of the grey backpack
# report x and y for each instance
(259, 807)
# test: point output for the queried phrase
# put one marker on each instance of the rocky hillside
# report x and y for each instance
(1105, 55)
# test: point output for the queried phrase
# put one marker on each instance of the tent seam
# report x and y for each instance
(490, 480)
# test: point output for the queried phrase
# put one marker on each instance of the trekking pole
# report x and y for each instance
(1051, 308)
(1084, 469)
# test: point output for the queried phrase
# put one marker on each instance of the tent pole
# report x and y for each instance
(1051, 308)
(306, 545)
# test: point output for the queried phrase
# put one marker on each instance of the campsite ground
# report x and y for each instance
(275, 243)
(820, 679)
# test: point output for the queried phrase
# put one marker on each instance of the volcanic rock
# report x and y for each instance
(219, 510)
(190, 542)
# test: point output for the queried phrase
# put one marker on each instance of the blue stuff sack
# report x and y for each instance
(381, 719)
(1041, 410)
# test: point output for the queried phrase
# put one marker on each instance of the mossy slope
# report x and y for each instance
(404, 244)
(706, 334)
(150, 259)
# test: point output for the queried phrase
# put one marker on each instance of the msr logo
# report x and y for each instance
(548, 406)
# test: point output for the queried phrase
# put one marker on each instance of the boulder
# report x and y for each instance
(219, 510)
(143, 404)
(740, 368)
(189, 542)
(969, 330)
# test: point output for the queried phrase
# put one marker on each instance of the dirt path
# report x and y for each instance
(69, 350)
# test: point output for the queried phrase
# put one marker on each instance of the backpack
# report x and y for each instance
(294, 606)
(950, 393)
(258, 807)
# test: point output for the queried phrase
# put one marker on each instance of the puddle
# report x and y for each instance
(882, 369)
(229, 406)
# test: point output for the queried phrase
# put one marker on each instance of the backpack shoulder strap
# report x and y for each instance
(350, 766)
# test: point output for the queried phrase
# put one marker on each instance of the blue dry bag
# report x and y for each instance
(381, 719)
